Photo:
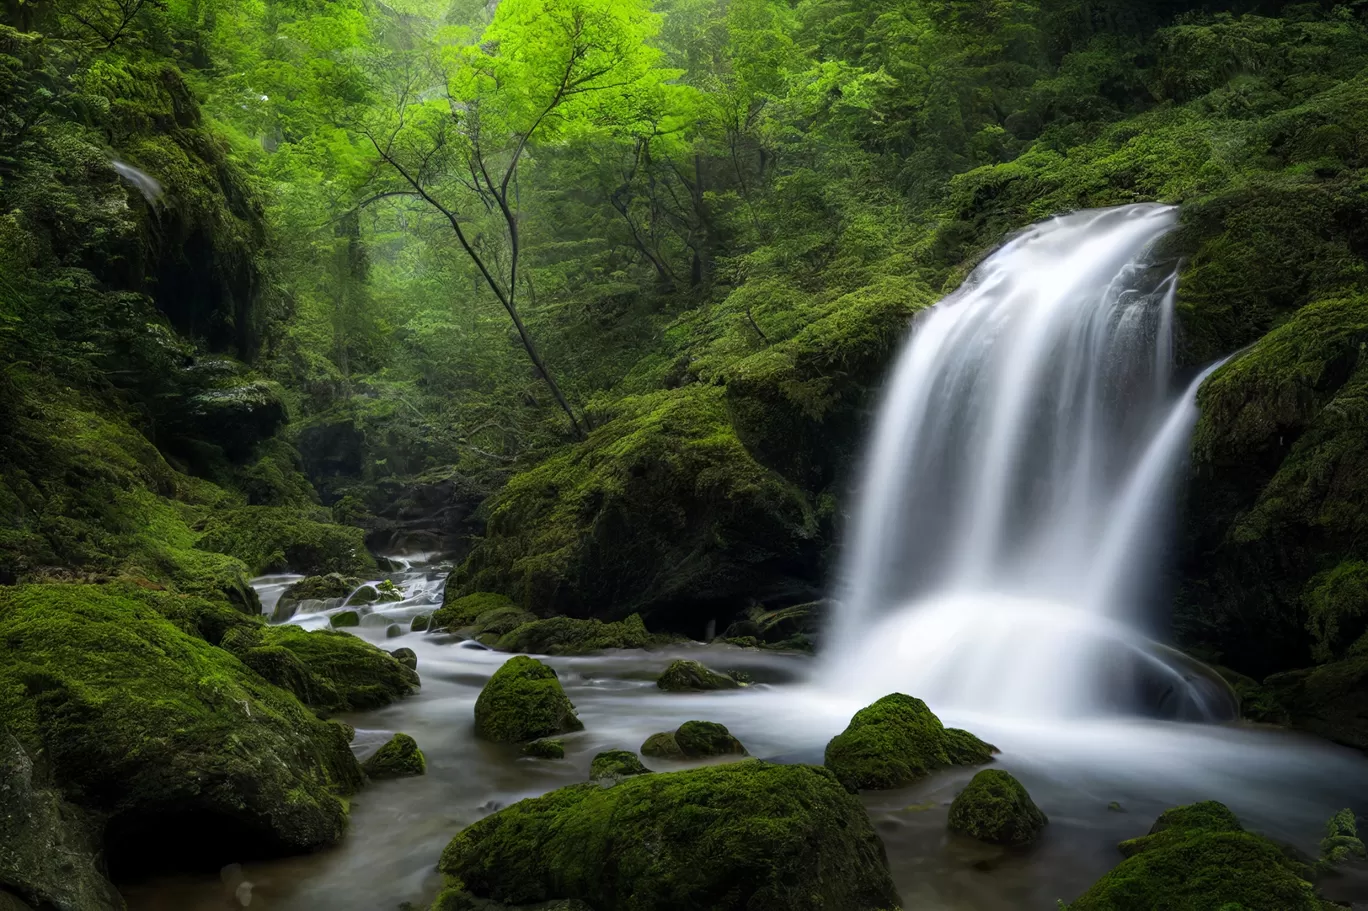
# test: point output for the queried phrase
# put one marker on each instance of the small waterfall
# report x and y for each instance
(1017, 482)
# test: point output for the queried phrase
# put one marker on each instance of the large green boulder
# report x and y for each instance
(897, 741)
(693, 740)
(320, 588)
(398, 758)
(49, 850)
(571, 636)
(192, 758)
(743, 837)
(1330, 701)
(1199, 857)
(278, 539)
(995, 808)
(523, 701)
(328, 670)
(661, 508)
(685, 676)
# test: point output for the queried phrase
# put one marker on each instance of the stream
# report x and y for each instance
(1282, 784)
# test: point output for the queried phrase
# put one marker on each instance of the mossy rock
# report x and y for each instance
(1341, 842)
(523, 701)
(364, 595)
(1200, 857)
(461, 612)
(277, 539)
(406, 656)
(662, 746)
(613, 765)
(995, 808)
(345, 619)
(169, 737)
(420, 623)
(685, 676)
(1330, 701)
(897, 741)
(546, 748)
(49, 850)
(321, 588)
(569, 636)
(705, 739)
(742, 837)
(398, 758)
(341, 673)
(660, 508)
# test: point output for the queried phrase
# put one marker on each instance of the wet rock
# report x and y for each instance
(420, 623)
(49, 850)
(546, 748)
(399, 758)
(613, 765)
(662, 746)
(693, 740)
(742, 837)
(366, 594)
(388, 592)
(394, 631)
(897, 741)
(321, 588)
(524, 701)
(571, 636)
(684, 676)
(995, 808)
(1341, 842)
(345, 618)
(407, 657)
(1199, 856)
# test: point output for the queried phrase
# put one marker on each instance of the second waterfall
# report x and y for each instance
(1017, 486)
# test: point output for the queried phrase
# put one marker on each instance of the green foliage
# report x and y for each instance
(1341, 841)
(398, 758)
(896, 741)
(136, 719)
(1199, 857)
(523, 701)
(995, 808)
(746, 835)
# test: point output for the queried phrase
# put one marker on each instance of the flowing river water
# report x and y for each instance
(1279, 783)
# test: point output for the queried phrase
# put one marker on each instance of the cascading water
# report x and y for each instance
(1017, 482)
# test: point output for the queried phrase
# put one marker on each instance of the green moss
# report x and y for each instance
(366, 594)
(140, 721)
(344, 619)
(1199, 857)
(995, 808)
(1341, 842)
(523, 701)
(420, 623)
(1330, 701)
(321, 588)
(684, 676)
(363, 676)
(460, 612)
(398, 758)
(897, 741)
(743, 836)
(703, 739)
(546, 748)
(272, 539)
(569, 636)
(405, 656)
(613, 765)
(661, 506)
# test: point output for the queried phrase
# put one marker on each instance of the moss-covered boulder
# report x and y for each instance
(405, 656)
(524, 701)
(685, 676)
(49, 849)
(398, 758)
(327, 670)
(193, 758)
(276, 539)
(344, 619)
(1200, 857)
(897, 741)
(570, 636)
(420, 623)
(995, 808)
(1330, 701)
(364, 595)
(612, 765)
(1341, 842)
(742, 837)
(662, 509)
(662, 746)
(546, 748)
(461, 611)
(321, 588)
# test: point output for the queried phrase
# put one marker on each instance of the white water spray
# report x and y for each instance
(1018, 479)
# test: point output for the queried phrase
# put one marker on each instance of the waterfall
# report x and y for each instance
(1018, 481)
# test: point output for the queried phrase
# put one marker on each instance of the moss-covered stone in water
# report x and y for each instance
(406, 656)
(546, 748)
(321, 588)
(897, 741)
(346, 618)
(570, 636)
(189, 753)
(684, 676)
(459, 613)
(420, 623)
(995, 808)
(1341, 842)
(703, 739)
(1199, 857)
(612, 765)
(272, 539)
(523, 701)
(389, 592)
(366, 594)
(361, 675)
(1330, 701)
(662, 746)
(398, 758)
(742, 837)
